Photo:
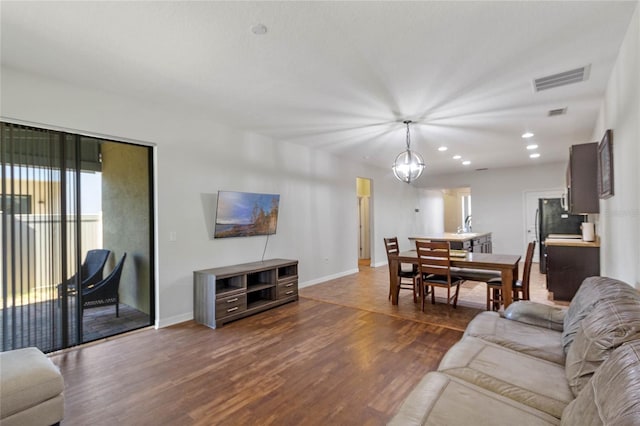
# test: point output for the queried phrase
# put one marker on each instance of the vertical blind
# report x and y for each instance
(40, 230)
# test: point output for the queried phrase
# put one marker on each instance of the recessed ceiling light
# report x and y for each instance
(457, 157)
(466, 162)
(534, 155)
(442, 148)
(259, 29)
(527, 135)
(532, 146)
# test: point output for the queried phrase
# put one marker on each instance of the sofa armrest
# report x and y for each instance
(536, 314)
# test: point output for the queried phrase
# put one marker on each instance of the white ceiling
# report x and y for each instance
(342, 76)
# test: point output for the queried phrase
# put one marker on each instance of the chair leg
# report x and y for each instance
(488, 298)
(497, 299)
(433, 295)
(455, 301)
(415, 290)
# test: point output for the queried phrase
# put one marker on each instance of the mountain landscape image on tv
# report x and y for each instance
(245, 214)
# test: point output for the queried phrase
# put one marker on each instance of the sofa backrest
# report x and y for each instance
(592, 291)
(612, 396)
(611, 323)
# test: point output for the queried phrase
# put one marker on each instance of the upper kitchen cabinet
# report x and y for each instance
(582, 179)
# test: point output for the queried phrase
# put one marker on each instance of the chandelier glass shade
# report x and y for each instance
(409, 165)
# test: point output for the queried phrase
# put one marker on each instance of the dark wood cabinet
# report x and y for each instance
(582, 179)
(568, 266)
(229, 293)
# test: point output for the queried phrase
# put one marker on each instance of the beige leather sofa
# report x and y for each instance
(540, 365)
(31, 389)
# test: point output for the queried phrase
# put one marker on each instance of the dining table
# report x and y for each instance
(507, 264)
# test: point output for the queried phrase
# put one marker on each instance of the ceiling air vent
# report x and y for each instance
(558, 111)
(562, 79)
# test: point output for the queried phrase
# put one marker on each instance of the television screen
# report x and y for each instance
(245, 214)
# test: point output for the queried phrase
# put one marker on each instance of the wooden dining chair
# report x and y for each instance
(405, 271)
(520, 287)
(434, 264)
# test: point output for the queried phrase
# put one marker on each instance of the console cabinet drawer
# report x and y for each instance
(231, 305)
(287, 289)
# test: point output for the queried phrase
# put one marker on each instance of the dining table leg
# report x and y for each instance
(393, 281)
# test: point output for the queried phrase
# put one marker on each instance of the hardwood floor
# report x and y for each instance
(341, 355)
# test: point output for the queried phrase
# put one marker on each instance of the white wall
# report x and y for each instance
(196, 157)
(619, 221)
(497, 198)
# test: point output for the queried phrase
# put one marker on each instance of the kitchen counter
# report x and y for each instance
(477, 242)
(571, 242)
(451, 236)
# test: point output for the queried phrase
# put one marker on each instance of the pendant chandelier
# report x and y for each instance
(408, 165)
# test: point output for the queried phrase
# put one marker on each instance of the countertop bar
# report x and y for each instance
(570, 242)
(451, 236)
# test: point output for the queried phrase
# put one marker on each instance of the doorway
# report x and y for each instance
(73, 208)
(457, 209)
(363, 191)
(530, 214)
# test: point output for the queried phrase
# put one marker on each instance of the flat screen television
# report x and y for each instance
(245, 214)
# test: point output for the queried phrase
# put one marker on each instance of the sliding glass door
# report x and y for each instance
(76, 238)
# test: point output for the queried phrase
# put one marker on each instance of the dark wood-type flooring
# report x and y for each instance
(341, 355)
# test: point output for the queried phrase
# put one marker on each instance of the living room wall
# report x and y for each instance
(619, 222)
(197, 156)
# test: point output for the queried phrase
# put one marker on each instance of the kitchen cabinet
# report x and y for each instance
(569, 262)
(477, 242)
(582, 179)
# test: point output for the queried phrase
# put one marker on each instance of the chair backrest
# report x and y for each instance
(93, 266)
(526, 273)
(434, 258)
(109, 284)
(391, 245)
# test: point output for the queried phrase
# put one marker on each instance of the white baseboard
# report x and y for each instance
(166, 322)
(327, 278)
(379, 264)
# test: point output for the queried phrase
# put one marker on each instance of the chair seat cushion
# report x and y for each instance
(476, 274)
(27, 378)
(509, 373)
(495, 282)
(437, 396)
(441, 279)
(407, 274)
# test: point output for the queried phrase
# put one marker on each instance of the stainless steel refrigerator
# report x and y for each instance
(553, 219)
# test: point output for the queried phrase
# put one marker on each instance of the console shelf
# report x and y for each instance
(232, 292)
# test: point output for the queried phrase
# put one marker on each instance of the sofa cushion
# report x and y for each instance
(610, 324)
(439, 398)
(27, 378)
(536, 341)
(612, 396)
(592, 291)
(532, 381)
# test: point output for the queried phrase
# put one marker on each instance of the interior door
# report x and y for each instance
(530, 214)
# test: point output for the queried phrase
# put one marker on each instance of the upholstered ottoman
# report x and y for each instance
(30, 389)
